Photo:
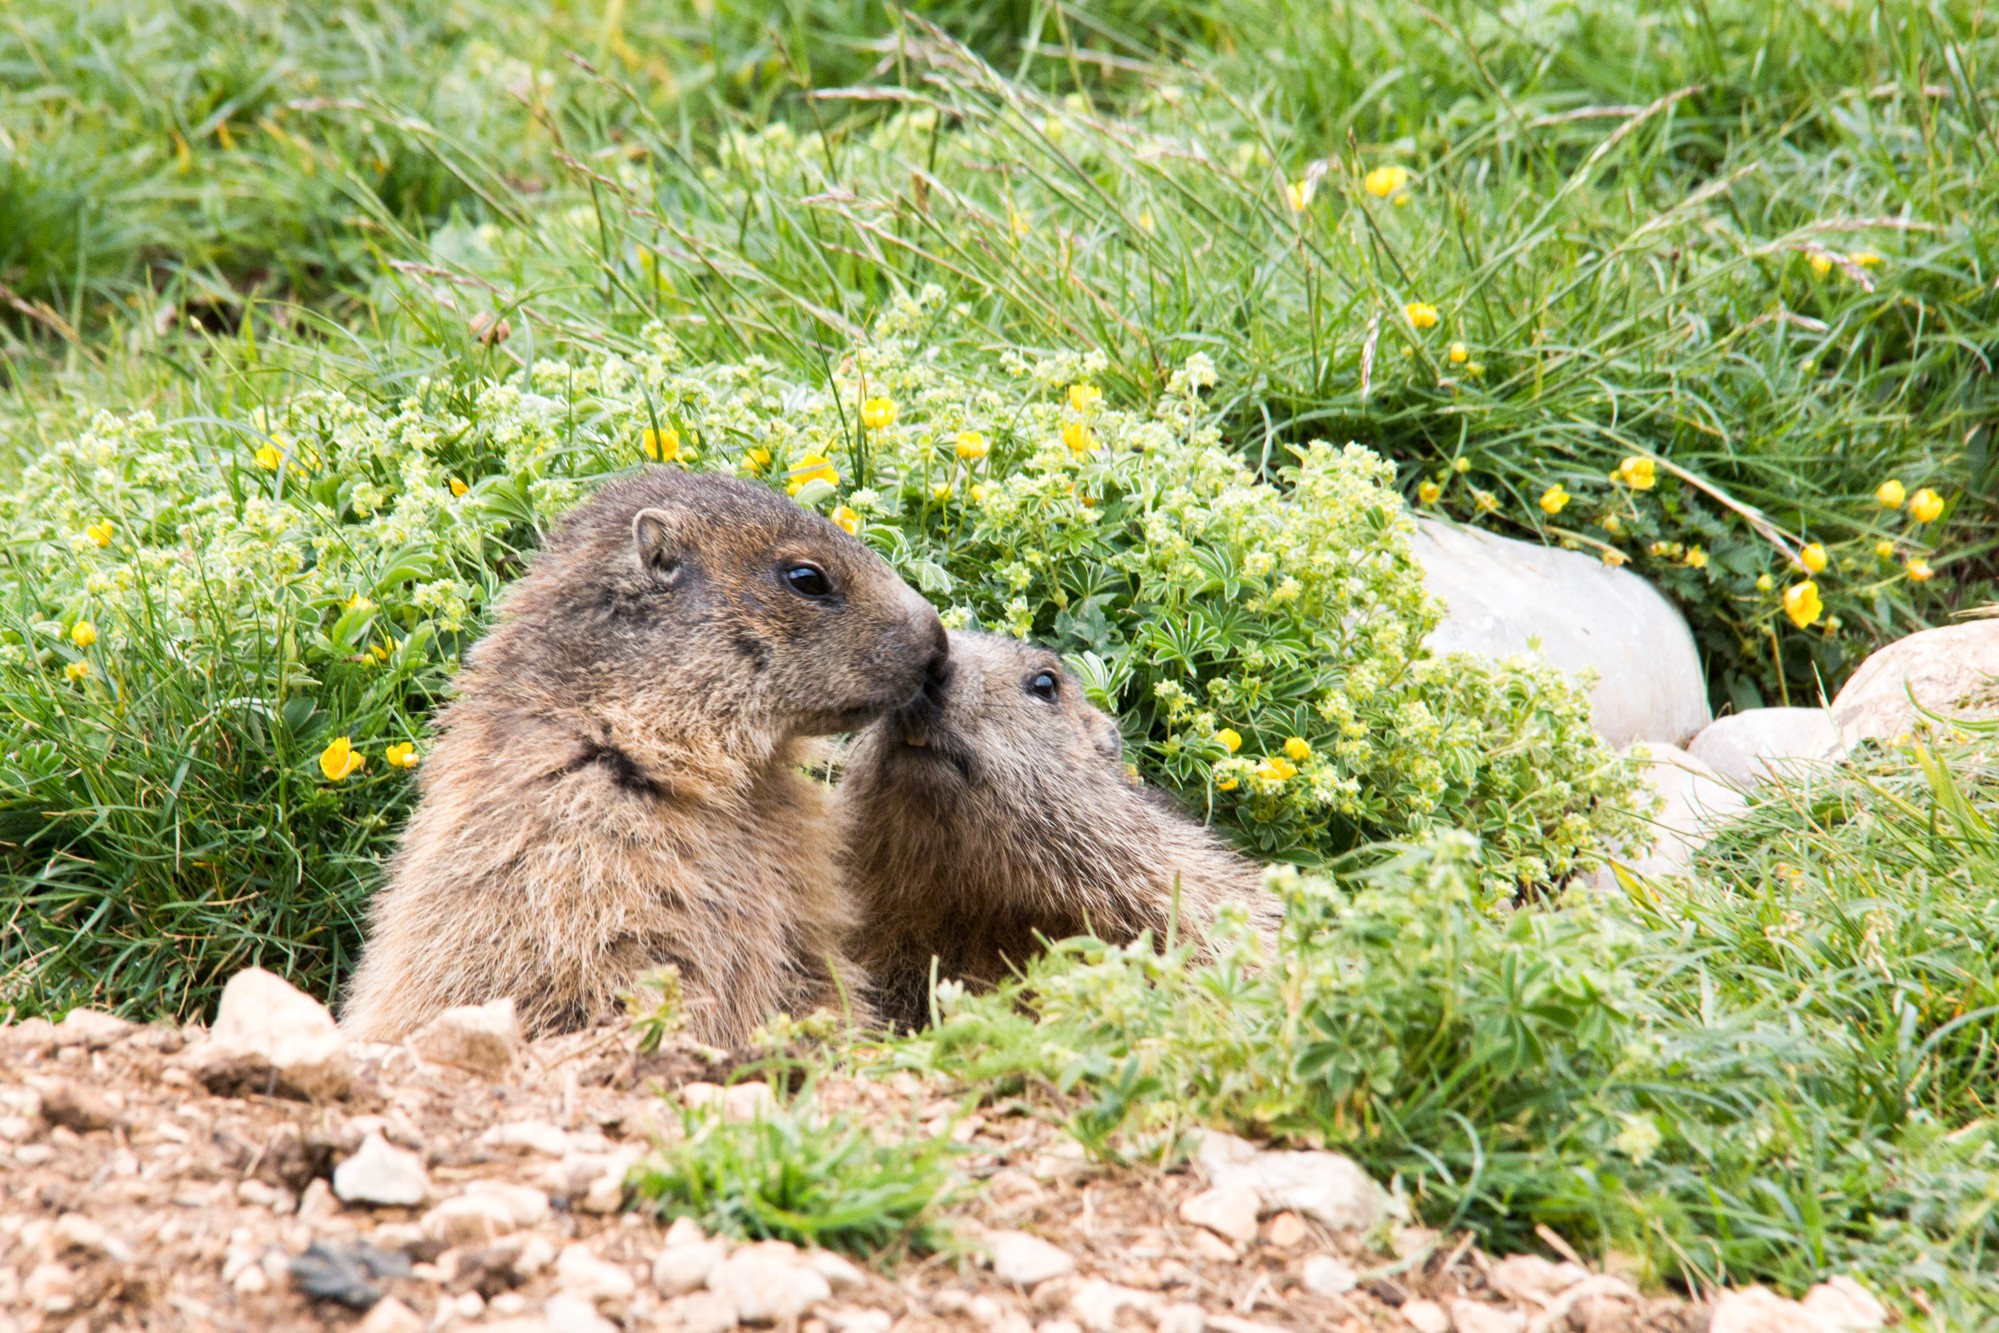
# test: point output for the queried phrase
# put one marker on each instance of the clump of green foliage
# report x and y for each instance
(1774, 1071)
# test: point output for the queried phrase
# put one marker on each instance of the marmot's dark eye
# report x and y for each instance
(1044, 685)
(807, 580)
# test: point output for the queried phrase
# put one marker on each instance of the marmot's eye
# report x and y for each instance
(807, 580)
(1044, 685)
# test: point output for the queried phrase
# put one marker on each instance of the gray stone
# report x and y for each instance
(1748, 747)
(482, 1038)
(1027, 1260)
(1951, 671)
(345, 1273)
(1504, 596)
(271, 1038)
(381, 1176)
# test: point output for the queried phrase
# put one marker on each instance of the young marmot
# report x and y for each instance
(618, 785)
(999, 809)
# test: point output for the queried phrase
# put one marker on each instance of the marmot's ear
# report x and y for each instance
(659, 541)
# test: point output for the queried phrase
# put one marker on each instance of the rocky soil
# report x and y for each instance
(269, 1174)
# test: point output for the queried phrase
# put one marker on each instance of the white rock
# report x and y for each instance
(1503, 596)
(390, 1315)
(90, 1027)
(1844, 1306)
(529, 1136)
(840, 1275)
(684, 1231)
(1328, 1276)
(1207, 1245)
(1759, 1310)
(525, 1205)
(1322, 1185)
(270, 1036)
(468, 1219)
(1097, 1304)
(260, 1007)
(1182, 1317)
(850, 1319)
(1027, 1260)
(316, 1203)
(1426, 1317)
(379, 1175)
(1950, 671)
(51, 1288)
(679, 1269)
(1695, 801)
(1529, 1277)
(482, 1038)
(75, 1232)
(745, 1102)
(1749, 747)
(712, 1312)
(1473, 1317)
(769, 1282)
(567, 1312)
(1230, 1213)
(582, 1274)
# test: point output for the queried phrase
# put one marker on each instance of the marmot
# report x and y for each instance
(618, 787)
(999, 808)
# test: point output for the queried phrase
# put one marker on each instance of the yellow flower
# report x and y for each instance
(1554, 500)
(1461, 465)
(1802, 604)
(1298, 195)
(1384, 181)
(1298, 748)
(402, 755)
(340, 760)
(1274, 769)
(1227, 783)
(380, 652)
(1919, 569)
(1083, 397)
(847, 519)
(1485, 500)
(1640, 474)
(1230, 738)
(812, 467)
(1884, 549)
(1925, 505)
(1421, 314)
(1812, 558)
(661, 446)
(100, 532)
(756, 460)
(1077, 436)
(83, 634)
(877, 412)
(1429, 492)
(1821, 263)
(1864, 258)
(1765, 583)
(1018, 221)
(458, 488)
(940, 490)
(1615, 558)
(268, 458)
(1459, 353)
(1890, 494)
(76, 671)
(978, 491)
(1696, 558)
(971, 445)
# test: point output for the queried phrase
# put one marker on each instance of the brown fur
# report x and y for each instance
(617, 786)
(1014, 818)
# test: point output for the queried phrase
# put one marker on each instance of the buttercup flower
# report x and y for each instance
(1421, 314)
(756, 460)
(458, 488)
(340, 760)
(1696, 558)
(1812, 557)
(1919, 569)
(1802, 604)
(1864, 258)
(940, 490)
(1640, 474)
(1298, 748)
(83, 634)
(1298, 195)
(401, 755)
(1890, 494)
(978, 491)
(268, 457)
(1083, 397)
(812, 467)
(1385, 181)
(76, 671)
(1230, 738)
(662, 445)
(1274, 769)
(1226, 782)
(847, 519)
(100, 532)
(1429, 492)
(1821, 263)
(877, 412)
(971, 446)
(1885, 549)
(1554, 500)
(1459, 353)
(1925, 505)
(1077, 436)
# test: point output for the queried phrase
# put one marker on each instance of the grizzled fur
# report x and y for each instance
(984, 815)
(618, 785)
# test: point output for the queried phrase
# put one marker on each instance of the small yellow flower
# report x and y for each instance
(1077, 436)
(1554, 500)
(877, 412)
(1298, 195)
(1821, 263)
(268, 458)
(340, 760)
(458, 488)
(978, 492)
(1696, 558)
(812, 467)
(661, 446)
(1460, 465)
(76, 671)
(1225, 783)
(1802, 604)
(847, 519)
(380, 652)
(1864, 258)
(1385, 181)
(1919, 569)
(940, 490)
(1613, 525)
(1615, 558)
(1764, 583)
(756, 460)
(1274, 769)
(971, 446)
(1884, 549)
(1640, 474)
(1486, 501)
(1421, 314)
(83, 634)
(1429, 492)
(1083, 397)
(1459, 354)
(1298, 748)
(100, 532)
(1019, 222)
(1813, 558)
(402, 755)
(1890, 494)
(1925, 505)
(1230, 738)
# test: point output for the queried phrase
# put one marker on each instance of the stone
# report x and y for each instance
(51, 1288)
(1530, 1278)
(745, 1102)
(1475, 1317)
(1229, 1213)
(1760, 1310)
(75, 1107)
(316, 1202)
(1747, 748)
(709, 1312)
(273, 1039)
(1950, 671)
(344, 1273)
(580, 1273)
(1503, 598)
(1207, 1245)
(1694, 802)
(849, 1319)
(92, 1028)
(481, 1038)
(1288, 1230)
(1328, 1276)
(1026, 1260)
(1096, 1304)
(381, 1176)
(840, 1275)
(75, 1233)
(527, 1136)
(1182, 1317)
(1844, 1306)
(684, 1231)
(390, 1315)
(679, 1269)
(768, 1283)
(526, 1206)
(1322, 1185)
(468, 1219)
(1426, 1317)
(566, 1312)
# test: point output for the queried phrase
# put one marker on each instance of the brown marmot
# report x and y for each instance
(999, 809)
(618, 785)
